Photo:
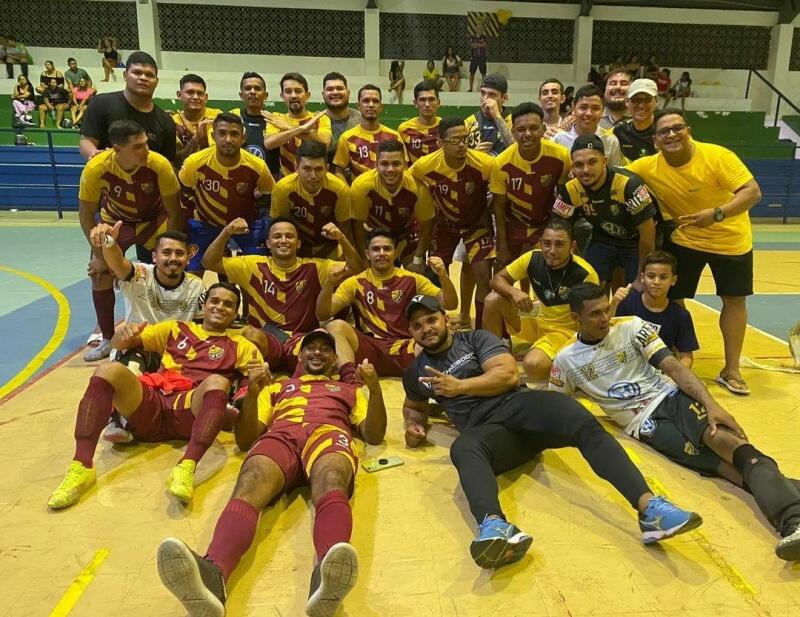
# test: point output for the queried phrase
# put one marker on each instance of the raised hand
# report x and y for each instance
(98, 233)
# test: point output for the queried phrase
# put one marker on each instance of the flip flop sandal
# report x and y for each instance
(733, 384)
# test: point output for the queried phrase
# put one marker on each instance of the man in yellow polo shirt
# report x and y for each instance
(708, 191)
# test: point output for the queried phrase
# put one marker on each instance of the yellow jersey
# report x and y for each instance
(184, 131)
(288, 151)
(418, 138)
(374, 205)
(708, 180)
(357, 148)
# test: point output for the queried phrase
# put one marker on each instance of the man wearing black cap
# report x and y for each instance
(617, 204)
(474, 377)
(489, 128)
(298, 432)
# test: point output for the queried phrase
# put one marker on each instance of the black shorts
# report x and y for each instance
(478, 64)
(675, 429)
(733, 274)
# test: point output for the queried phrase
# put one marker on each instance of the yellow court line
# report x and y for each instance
(59, 331)
(79, 585)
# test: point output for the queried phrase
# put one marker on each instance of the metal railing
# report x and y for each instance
(781, 95)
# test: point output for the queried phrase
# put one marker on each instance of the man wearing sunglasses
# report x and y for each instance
(708, 191)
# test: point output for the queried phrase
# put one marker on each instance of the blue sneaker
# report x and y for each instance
(662, 520)
(498, 543)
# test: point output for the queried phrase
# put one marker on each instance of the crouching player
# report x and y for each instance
(299, 432)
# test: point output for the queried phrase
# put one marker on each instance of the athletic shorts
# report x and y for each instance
(295, 447)
(675, 429)
(252, 243)
(143, 234)
(478, 64)
(320, 249)
(283, 349)
(162, 417)
(733, 274)
(390, 356)
(604, 257)
(478, 241)
(522, 238)
(407, 244)
(544, 337)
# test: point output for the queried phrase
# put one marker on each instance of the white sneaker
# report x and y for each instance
(332, 579)
(788, 548)
(103, 350)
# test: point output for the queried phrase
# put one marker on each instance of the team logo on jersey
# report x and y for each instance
(646, 334)
(622, 357)
(403, 211)
(332, 387)
(648, 427)
(147, 188)
(397, 295)
(546, 180)
(325, 210)
(299, 286)
(624, 390)
(469, 188)
(555, 377)
(215, 352)
(689, 448)
(563, 293)
(614, 209)
(241, 187)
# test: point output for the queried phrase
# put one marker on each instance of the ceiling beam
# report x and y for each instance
(788, 11)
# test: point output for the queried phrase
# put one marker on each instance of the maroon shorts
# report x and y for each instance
(163, 417)
(296, 447)
(479, 242)
(143, 233)
(521, 238)
(282, 354)
(407, 244)
(390, 356)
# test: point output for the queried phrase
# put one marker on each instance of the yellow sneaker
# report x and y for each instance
(78, 480)
(181, 480)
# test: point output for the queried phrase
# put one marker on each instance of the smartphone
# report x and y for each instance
(377, 464)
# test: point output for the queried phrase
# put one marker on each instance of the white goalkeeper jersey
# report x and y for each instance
(147, 300)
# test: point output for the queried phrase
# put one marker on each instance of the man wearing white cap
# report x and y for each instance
(635, 135)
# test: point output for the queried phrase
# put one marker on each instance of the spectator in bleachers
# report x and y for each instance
(708, 191)
(193, 122)
(617, 65)
(23, 101)
(651, 69)
(616, 92)
(81, 95)
(595, 77)
(451, 67)
(431, 74)
(633, 66)
(15, 53)
(683, 88)
(664, 84)
(397, 82)
(588, 110)
(108, 47)
(635, 135)
(54, 100)
(74, 74)
(569, 100)
(336, 95)
(135, 103)
(551, 97)
(50, 72)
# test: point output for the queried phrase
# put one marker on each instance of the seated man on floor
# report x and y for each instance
(379, 296)
(619, 365)
(503, 425)
(543, 319)
(186, 399)
(675, 326)
(299, 433)
(281, 290)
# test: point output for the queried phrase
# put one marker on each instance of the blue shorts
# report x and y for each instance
(252, 243)
(605, 257)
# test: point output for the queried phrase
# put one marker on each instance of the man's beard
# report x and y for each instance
(615, 105)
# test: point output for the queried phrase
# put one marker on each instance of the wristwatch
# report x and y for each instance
(719, 215)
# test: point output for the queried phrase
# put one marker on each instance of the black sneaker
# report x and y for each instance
(195, 581)
(788, 547)
(331, 580)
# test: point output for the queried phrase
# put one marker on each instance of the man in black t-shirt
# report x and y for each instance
(253, 92)
(135, 103)
(616, 203)
(475, 379)
(635, 134)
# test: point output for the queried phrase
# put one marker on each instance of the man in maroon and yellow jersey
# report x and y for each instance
(421, 134)
(312, 197)
(281, 290)
(458, 179)
(299, 433)
(225, 180)
(379, 296)
(193, 123)
(127, 183)
(185, 399)
(390, 197)
(357, 147)
(523, 183)
(287, 131)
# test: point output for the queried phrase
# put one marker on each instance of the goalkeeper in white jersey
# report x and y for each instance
(625, 367)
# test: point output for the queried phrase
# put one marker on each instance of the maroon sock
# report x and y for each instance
(94, 411)
(333, 522)
(103, 300)
(478, 314)
(207, 424)
(233, 535)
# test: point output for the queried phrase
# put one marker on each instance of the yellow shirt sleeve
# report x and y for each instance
(167, 182)
(424, 210)
(279, 205)
(324, 267)
(518, 269)
(358, 199)
(324, 126)
(265, 408)
(425, 287)
(498, 179)
(90, 184)
(271, 129)
(564, 155)
(359, 412)
(155, 336)
(245, 351)
(240, 269)
(343, 210)
(346, 292)
(731, 171)
(342, 156)
(187, 174)
(266, 183)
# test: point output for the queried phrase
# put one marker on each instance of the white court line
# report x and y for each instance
(764, 332)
